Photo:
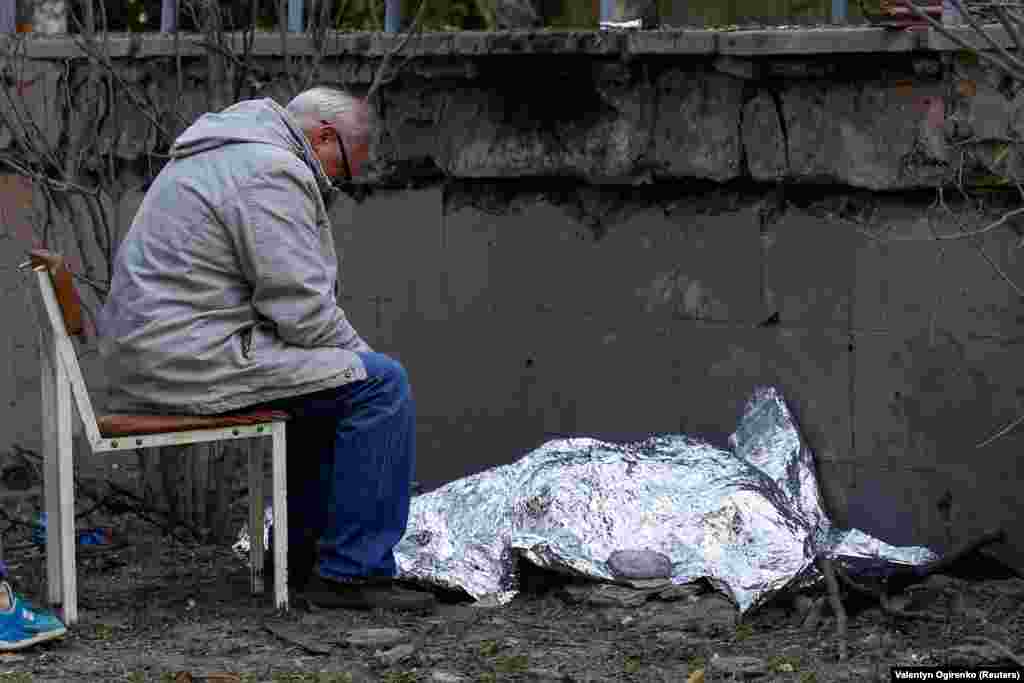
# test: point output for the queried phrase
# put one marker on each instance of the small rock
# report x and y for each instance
(446, 677)
(395, 654)
(671, 636)
(537, 674)
(375, 637)
(748, 667)
(639, 564)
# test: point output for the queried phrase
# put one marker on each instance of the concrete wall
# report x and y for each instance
(897, 359)
(623, 307)
(522, 327)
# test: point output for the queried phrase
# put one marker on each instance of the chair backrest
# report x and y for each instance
(64, 287)
(64, 314)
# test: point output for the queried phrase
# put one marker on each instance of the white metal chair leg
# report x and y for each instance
(62, 577)
(51, 491)
(66, 484)
(279, 479)
(256, 515)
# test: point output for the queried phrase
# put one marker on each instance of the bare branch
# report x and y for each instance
(969, 18)
(179, 72)
(248, 39)
(883, 599)
(144, 108)
(945, 32)
(999, 271)
(42, 178)
(1005, 20)
(1002, 432)
(977, 247)
(319, 33)
(957, 236)
(282, 22)
(414, 29)
(30, 136)
(828, 571)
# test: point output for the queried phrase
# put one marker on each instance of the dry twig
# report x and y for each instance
(946, 561)
(378, 78)
(828, 570)
(881, 597)
(810, 622)
(1002, 432)
(999, 63)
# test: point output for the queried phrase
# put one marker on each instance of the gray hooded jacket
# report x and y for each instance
(223, 292)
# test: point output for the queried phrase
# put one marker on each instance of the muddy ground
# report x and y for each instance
(154, 607)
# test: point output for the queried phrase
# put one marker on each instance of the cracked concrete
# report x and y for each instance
(880, 123)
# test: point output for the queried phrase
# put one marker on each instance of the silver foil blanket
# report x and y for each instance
(750, 519)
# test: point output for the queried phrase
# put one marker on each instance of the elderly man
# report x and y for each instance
(224, 296)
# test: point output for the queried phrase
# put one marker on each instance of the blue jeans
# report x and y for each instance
(351, 460)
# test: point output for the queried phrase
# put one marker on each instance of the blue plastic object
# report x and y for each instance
(98, 536)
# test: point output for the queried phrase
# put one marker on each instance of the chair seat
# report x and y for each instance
(126, 424)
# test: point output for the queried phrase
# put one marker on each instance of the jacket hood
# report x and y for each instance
(250, 121)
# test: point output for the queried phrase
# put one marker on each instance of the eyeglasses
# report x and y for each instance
(346, 186)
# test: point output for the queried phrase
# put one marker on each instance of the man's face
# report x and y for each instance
(342, 158)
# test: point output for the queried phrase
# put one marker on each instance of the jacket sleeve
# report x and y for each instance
(280, 252)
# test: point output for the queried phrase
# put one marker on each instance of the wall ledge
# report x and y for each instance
(759, 42)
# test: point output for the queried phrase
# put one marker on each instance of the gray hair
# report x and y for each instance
(350, 113)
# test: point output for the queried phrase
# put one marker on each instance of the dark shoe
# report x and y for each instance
(382, 594)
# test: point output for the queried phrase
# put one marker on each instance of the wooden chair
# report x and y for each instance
(62, 379)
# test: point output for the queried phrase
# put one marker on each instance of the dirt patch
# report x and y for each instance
(155, 607)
